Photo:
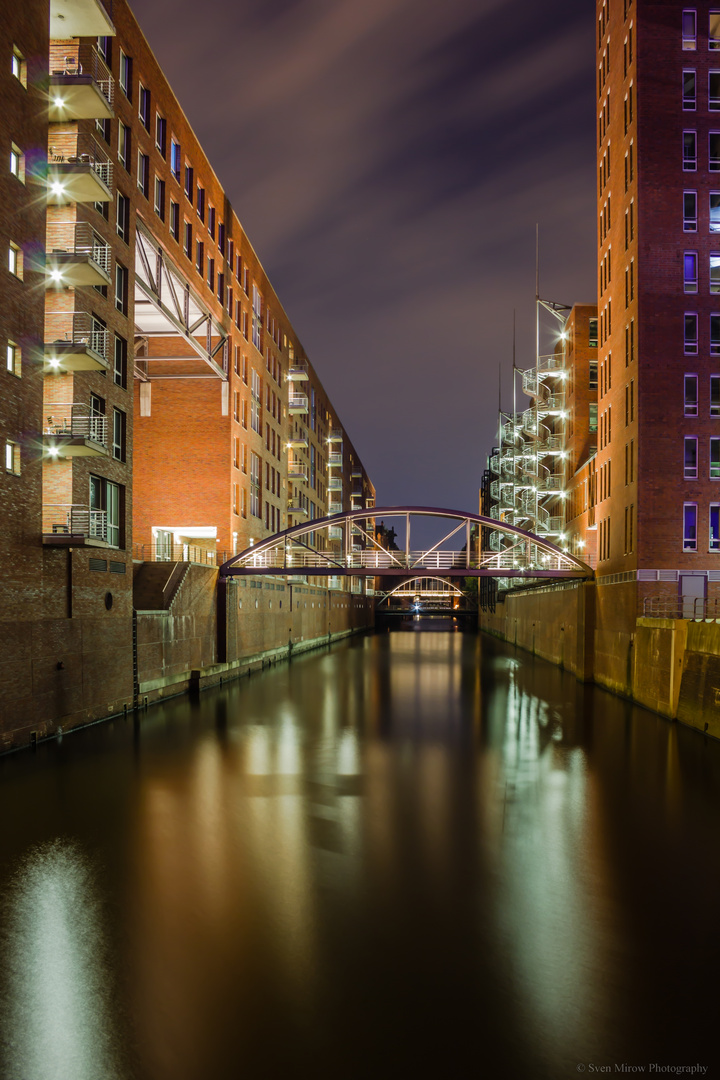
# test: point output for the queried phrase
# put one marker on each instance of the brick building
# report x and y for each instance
(658, 465)
(155, 401)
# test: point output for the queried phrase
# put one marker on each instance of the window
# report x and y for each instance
(689, 151)
(175, 220)
(201, 202)
(15, 260)
(175, 159)
(715, 271)
(106, 504)
(713, 90)
(102, 127)
(189, 182)
(144, 106)
(188, 240)
(123, 217)
(691, 395)
(689, 90)
(121, 288)
(714, 526)
(714, 151)
(125, 77)
(19, 67)
(120, 362)
(118, 439)
(690, 459)
(124, 145)
(143, 173)
(199, 256)
(715, 335)
(12, 458)
(715, 459)
(17, 163)
(211, 273)
(161, 133)
(255, 473)
(691, 334)
(593, 418)
(13, 359)
(257, 318)
(714, 30)
(689, 30)
(715, 395)
(690, 527)
(160, 198)
(690, 272)
(592, 333)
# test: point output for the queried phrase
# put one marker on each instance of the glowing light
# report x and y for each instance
(563, 335)
(57, 188)
(56, 275)
(53, 451)
(54, 362)
(58, 102)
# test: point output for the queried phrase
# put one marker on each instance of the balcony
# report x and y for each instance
(72, 523)
(297, 403)
(81, 86)
(297, 373)
(495, 464)
(334, 507)
(72, 430)
(74, 341)
(335, 483)
(335, 435)
(79, 170)
(335, 459)
(76, 255)
(298, 443)
(335, 532)
(295, 506)
(79, 18)
(357, 473)
(297, 471)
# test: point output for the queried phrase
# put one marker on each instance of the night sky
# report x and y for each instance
(389, 160)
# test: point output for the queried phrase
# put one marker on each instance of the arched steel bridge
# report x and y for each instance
(346, 545)
(427, 588)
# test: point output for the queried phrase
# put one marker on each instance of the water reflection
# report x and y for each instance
(56, 1007)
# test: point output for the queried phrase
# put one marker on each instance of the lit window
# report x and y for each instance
(690, 527)
(19, 67)
(690, 271)
(12, 458)
(175, 157)
(689, 90)
(593, 417)
(689, 151)
(690, 458)
(691, 395)
(691, 333)
(714, 30)
(13, 359)
(715, 458)
(689, 30)
(15, 260)
(715, 271)
(17, 163)
(714, 526)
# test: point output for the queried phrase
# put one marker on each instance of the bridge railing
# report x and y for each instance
(301, 559)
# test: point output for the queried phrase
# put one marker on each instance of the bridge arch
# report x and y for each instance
(346, 545)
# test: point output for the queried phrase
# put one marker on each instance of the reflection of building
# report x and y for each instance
(157, 402)
(536, 471)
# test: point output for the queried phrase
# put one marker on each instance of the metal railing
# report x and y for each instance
(79, 148)
(335, 459)
(184, 552)
(298, 401)
(335, 435)
(694, 608)
(297, 471)
(297, 373)
(334, 483)
(74, 519)
(82, 60)
(77, 328)
(78, 238)
(75, 419)
(292, 559)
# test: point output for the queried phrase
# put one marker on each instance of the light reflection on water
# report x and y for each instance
(372, 861)
(55, 1002)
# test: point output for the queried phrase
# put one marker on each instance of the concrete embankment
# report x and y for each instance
(671, 666)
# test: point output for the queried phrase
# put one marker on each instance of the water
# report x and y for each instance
(416, 854)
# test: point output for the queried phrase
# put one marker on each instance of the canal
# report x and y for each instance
(417, 853)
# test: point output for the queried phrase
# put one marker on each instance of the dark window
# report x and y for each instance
(123, 217)
(121, 288)
(161, 133)
(144, 107)
(120, 362)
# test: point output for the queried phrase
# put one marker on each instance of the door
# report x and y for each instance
(692, 596)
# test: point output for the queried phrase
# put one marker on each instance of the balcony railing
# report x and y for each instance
(79, 60)
(335, 435)
(335, 459)
(73, 331)
(297, 373)
(334, 483)
(297, 471)
(335, 532)
(70, 246)
(295, 506)
(70, 154)
(334, 507)
(297, 403)
(73, 519)
(173, 552)
(75, 420)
